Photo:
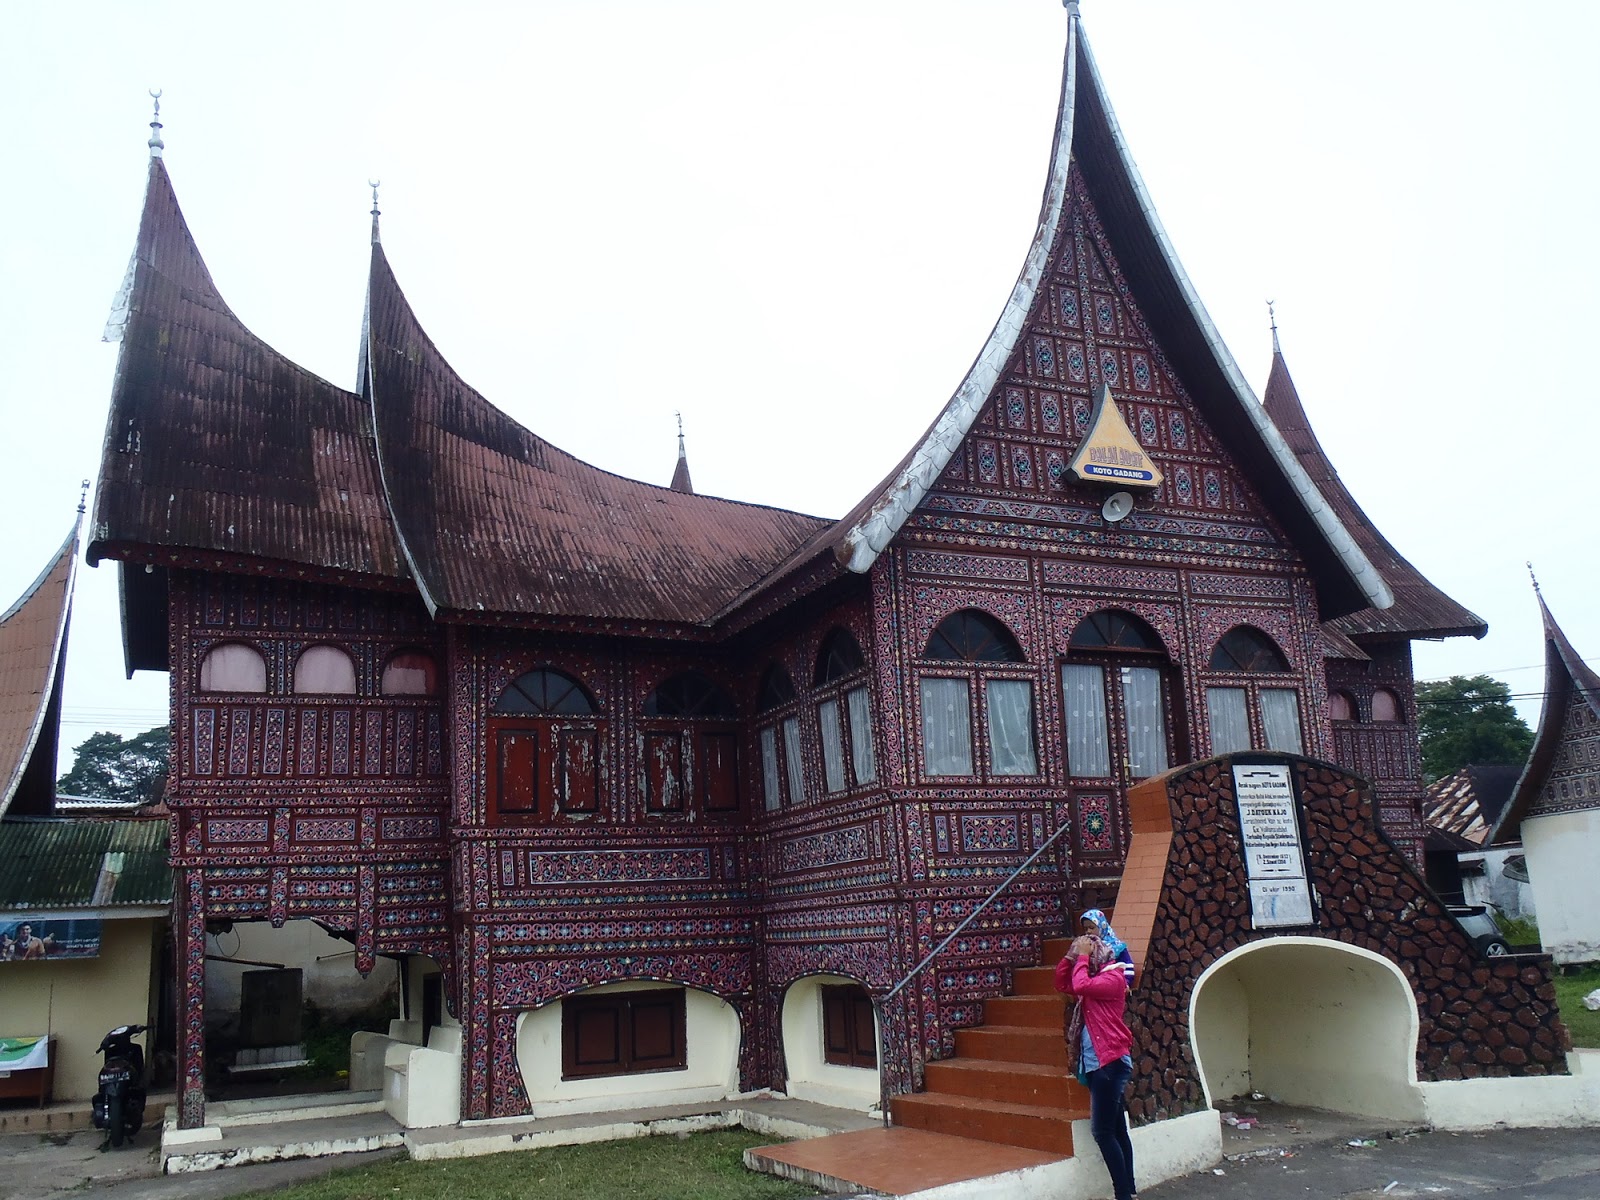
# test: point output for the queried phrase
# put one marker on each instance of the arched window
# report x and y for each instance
(545, 730)
(1386, 706)
(979, 643)
(783, 776)
(1114, 695)
(1341, 706)
(691, 746)
(410, 673)
(324, 671)
(839, 656)
(1246, 651)
(844, 714)
(233, 667)
(972, 636)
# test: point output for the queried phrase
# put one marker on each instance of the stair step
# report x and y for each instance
(1034, 981)
(1031, 1126)
(1054, 950)
(1008, 1083)
(1034, 1012)
(1013, 1043)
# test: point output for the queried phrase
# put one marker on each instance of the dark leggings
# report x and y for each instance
(1110, 1126)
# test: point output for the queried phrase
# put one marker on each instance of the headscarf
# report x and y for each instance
(1104, 932)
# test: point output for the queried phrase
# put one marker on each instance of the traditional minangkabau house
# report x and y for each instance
(671, 792)
(1555, 809)
(83, 900)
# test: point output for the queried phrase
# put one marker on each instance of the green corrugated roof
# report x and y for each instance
(64, 862)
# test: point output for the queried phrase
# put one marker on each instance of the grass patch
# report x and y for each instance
(1518, 931)
(703, 1166)
(1581, 1023)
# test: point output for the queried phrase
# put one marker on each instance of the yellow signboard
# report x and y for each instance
(1110, 454)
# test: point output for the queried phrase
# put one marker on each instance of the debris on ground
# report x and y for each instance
(1365, 1143)
(1592, 1001)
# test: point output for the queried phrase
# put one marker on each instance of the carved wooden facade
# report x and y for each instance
(541, 812)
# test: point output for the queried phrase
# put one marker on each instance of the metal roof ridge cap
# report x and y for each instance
(1362, 572)
(378, 454)
(861, 545)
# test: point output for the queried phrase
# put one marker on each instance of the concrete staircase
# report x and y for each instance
(1007, 1081)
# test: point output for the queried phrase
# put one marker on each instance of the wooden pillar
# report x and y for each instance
(189, 935)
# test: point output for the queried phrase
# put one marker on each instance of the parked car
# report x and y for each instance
(1478, 923)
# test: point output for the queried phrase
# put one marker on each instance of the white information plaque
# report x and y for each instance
(1274, 858)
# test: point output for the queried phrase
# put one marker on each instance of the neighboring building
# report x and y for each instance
(1458, 812)
(1555, 809)
(83, 900)
(656, 788)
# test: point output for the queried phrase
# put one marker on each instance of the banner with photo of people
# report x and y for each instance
(24, 939)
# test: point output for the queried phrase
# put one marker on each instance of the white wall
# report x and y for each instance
(1511, 896)
(332, 984)
(1326, 1025)
(711, 1038)
(809, 1077)
(1563, 853)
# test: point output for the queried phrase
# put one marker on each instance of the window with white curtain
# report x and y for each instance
(1011, 749)
(1230, 719)
(792, 762)
(1146, 721)
(1280, 719)
(989, 658)
(771, 791)
(832, 745)
(1083, 691)
(946, 726)
(862, 757)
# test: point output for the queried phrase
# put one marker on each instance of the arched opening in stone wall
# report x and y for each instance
(1308, 1021)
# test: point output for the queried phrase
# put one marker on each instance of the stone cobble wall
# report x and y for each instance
(1478, 1017)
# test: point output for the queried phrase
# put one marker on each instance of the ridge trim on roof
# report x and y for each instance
(1360, 568)
(868, 538)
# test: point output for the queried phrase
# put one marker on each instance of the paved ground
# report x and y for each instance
(1281, 1160)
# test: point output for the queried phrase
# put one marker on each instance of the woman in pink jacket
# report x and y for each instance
(1099, 1050)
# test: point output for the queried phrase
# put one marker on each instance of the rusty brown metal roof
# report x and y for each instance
(215, 441)
(33, 645)
(495, 520)
(1419, 609)
(1469, 802)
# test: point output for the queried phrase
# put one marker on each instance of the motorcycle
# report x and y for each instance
(119, 1104)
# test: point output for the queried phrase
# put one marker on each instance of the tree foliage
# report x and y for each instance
(116, 768)
(1468, 720)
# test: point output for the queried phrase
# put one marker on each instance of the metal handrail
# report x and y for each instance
(879, 1003)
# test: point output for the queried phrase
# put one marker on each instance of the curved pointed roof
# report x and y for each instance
(496, 521)
(1088, 137)
(1419, 609)
(215, 441)
(33, 651)
(1568, 681)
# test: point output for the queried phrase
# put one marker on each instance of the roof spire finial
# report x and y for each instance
(1535, 579)
(1272, 317)
(376, 212)
(155, 143)
(679, 415)
(83, 497)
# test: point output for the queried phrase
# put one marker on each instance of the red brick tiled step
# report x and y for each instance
(1033, 1127)
(1034, 981)
(1008, 1083)
(1031, 1012)
(1014, 1043)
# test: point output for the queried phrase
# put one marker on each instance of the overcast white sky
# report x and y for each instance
(797, 222)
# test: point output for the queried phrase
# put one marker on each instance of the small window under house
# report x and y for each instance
(623, 1033)
(1250, 711)
(970, 653)
(691, 747)
(545, 735)
(844, 714)
(849, 1033)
